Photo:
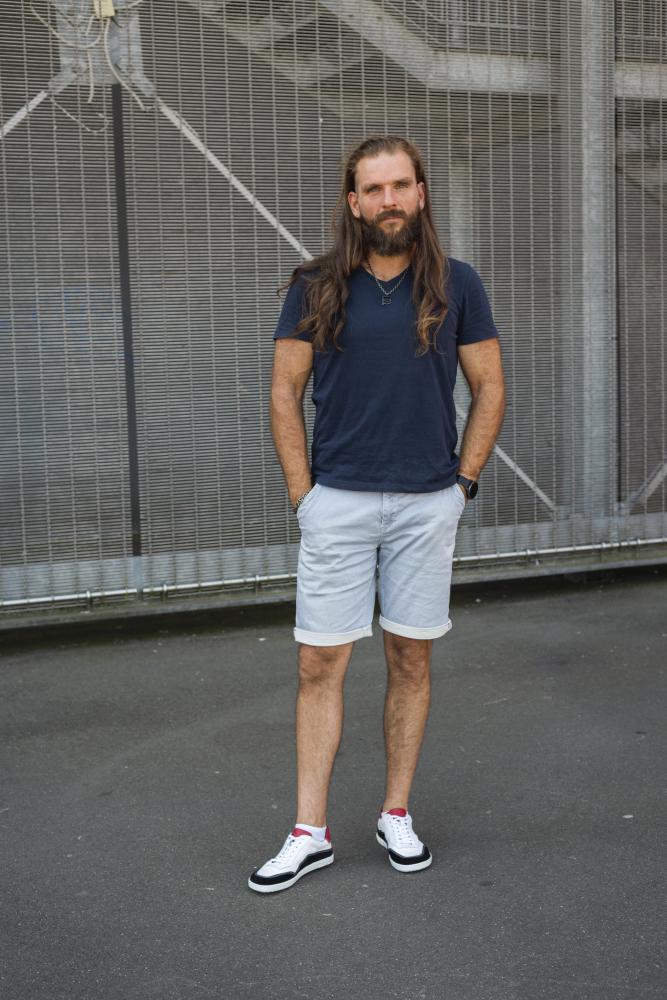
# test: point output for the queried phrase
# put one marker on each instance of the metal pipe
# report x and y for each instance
(164, 589)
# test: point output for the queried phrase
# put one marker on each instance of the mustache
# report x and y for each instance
(395, 214)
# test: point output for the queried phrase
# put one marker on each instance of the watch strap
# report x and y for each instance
(469, 485)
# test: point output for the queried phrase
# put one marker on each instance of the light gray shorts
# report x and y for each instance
(350, 539)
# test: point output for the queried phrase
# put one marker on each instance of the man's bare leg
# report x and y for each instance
(405, 712)
(319, 725)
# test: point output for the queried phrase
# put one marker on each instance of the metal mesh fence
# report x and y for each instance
(164, 171)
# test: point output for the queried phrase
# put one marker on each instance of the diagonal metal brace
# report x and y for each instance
(516, 469)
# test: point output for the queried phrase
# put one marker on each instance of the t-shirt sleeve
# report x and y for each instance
(292, 312)
(476, 320)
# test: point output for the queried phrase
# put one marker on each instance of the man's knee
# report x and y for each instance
(408, 659)
(323, 664)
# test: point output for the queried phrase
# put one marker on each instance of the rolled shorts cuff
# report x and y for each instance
(331, 638)
(413, 631)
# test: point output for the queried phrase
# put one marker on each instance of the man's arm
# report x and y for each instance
(292, 365)
(482, 366)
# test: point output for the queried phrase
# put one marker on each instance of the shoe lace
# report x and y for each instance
(287, 850)
(402, 829)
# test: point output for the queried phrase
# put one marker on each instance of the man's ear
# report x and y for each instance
(421, 187)
(353, 202)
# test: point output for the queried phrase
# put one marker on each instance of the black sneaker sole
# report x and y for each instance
(402, 864)
(278, 882)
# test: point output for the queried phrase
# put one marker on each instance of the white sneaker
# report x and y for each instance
(301, 853)
(405, 850)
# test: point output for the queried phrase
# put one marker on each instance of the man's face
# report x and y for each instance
(388, 201)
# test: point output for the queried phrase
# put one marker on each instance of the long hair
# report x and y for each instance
(326, 276)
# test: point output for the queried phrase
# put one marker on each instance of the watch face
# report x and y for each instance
(472, 490)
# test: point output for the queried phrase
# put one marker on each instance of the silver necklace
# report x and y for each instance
(387, 292)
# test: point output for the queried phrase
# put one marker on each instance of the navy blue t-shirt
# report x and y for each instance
(385, 419)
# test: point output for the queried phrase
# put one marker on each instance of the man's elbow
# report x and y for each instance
(491, 389)
(286, 397)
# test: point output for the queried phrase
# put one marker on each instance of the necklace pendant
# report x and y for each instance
(386, 300)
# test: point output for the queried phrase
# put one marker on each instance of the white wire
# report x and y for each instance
(117, 75)
(79, 122)
(91, 91)
(64, 41)
(85, 48)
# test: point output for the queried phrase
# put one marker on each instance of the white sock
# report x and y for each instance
(315, 831)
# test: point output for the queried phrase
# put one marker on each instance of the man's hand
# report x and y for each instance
(294, 497)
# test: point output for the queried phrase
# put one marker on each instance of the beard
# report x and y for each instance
(392, 242)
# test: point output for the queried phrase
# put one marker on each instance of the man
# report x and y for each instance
(382, 319)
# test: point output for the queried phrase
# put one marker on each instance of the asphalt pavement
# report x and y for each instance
(146, 770)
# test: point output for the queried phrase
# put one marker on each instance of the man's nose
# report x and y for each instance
(389, 199)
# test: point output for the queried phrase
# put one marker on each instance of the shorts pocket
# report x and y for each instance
(461, 497)
(307, 500)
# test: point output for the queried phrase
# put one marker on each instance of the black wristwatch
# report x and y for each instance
(469, 485)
